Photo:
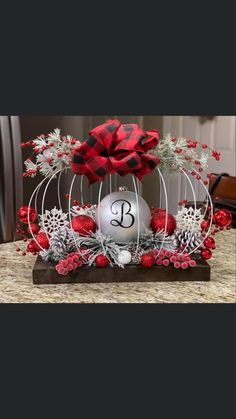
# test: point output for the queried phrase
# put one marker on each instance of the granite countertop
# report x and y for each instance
(16, 283)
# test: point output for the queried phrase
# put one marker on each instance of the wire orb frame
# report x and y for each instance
(136, 185)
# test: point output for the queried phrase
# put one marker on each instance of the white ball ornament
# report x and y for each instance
(124, 257)
(117, 216)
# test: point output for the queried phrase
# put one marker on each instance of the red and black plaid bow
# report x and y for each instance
(115, 148)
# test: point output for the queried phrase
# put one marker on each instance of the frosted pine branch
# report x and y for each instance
(53, 152)
(177, 153)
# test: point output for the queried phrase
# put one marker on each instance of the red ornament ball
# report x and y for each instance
(31, 247)
(42, 241)
(23, 214)
(34, 228)
(101, 261)
(159, 219)
(147, 260)
(206, 253)
(205, 224)
(83, 224)
(222, 218)
(209, 242)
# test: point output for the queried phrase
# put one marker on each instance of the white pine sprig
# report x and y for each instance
(53, 152)
(149, 241)
(171, 161)
(98, 243)
(30, 165)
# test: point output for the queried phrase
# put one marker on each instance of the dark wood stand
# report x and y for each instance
(45, 273)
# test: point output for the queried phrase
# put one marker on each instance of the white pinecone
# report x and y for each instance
(187, 240)
(62, 242)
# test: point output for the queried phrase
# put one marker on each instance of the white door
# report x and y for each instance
(218, 133)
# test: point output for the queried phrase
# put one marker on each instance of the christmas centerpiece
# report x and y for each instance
(118, 237)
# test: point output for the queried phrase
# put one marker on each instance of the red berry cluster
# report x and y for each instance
(194, 144)
(191, 143)
(185, 201)
(27, 144)
(215, 154)
(71, 263)
(78, 204)
(166, 258)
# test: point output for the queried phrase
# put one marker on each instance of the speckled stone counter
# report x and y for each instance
(16, 283)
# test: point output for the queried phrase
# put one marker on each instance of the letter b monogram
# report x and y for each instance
(122, 209)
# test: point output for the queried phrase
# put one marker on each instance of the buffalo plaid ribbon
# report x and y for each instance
(115, 148)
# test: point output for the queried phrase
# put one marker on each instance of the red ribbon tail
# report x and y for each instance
(151, 141)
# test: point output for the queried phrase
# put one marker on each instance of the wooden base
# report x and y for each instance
(45, 273)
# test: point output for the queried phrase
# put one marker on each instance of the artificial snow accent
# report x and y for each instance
(189, 219)
(52, 221)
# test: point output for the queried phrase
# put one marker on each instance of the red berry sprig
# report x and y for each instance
(179, 260)
(166, 258)
(71, 263)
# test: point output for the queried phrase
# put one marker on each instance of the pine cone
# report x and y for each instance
(62, 242)
(187, 240)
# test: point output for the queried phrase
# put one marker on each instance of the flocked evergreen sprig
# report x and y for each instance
(50, 153)
(149, 240)
(97, 243)
(184, 153)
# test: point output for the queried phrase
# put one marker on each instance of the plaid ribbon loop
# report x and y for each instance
(115, 148)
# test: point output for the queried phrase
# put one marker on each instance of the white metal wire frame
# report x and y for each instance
(163, 191)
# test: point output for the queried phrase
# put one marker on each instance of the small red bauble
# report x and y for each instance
(83, 224)
(147, 260)
(34, 228)
(209, 242)
(31, 247)
(101, 261)
(222, 218)
(206, 253)
(205, 224)
(23, 214)
(42, 241)
(159, 219)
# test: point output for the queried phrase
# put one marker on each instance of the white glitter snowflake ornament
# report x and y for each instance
(53, 220)
(189, 219)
